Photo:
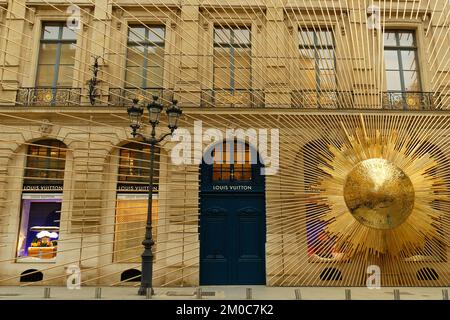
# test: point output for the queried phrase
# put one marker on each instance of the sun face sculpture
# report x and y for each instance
(379, 191)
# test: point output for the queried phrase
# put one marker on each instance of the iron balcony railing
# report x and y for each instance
(250, 98)
(323, 99)
(209, 97)
(47, 96)
(410, 100)
(391, 100)
(125, 96)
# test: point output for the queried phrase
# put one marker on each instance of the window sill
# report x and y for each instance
(35, 260)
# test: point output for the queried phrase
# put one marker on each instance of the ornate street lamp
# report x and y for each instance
(135, 113)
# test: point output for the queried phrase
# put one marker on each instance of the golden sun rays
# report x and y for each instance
(382, 193)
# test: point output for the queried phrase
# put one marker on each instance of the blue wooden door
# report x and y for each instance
(232, 239)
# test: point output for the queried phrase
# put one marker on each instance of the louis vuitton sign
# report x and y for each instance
(135, 188)
(42, 188)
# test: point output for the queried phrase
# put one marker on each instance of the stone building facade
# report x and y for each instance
(300, 67)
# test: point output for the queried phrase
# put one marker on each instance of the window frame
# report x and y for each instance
(59, 41)
(316, 46)
(232, 47)
(145, 44)
(125, 172)
(245, 169)
(47, 144)
(398, 49)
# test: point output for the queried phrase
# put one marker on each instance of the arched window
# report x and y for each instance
(31, 275)
(232, 162)
(330, 274)
(132, 200)
(134, 164)
(427, 274)
(130, 275)
(41, 200)
(45, 163)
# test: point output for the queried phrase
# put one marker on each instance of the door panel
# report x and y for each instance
(215, 251)
(232, 239)
(251, 241)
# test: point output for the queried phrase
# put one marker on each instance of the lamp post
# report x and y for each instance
(135, 113)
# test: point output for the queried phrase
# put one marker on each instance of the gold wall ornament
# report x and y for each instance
(411, 101)
(48, 97)
(379, 194)
(395, 220)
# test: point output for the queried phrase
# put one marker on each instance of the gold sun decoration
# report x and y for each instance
(394, 218)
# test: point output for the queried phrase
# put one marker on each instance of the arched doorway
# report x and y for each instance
(232, 216)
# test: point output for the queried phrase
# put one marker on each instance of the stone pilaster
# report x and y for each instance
(10, 57)
(100, 30)
(187, 86)
(277, 92)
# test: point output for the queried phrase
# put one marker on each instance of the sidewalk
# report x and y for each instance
(223, 293)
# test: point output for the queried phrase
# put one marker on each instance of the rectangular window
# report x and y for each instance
(317, 59)
(39, 227)
(400, 59)
(232, 65)
(131, 216)
(317, 64)
(56, 56)
(145, 57)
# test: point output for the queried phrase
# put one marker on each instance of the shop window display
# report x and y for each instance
(39, 229)
(321, 245)
(131, 216)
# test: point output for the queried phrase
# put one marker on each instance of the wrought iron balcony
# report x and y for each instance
(209, 97)
(392, 100)
(249, 98)
(125, 96)
(47, 96)
(410, 100)
(324, 99)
